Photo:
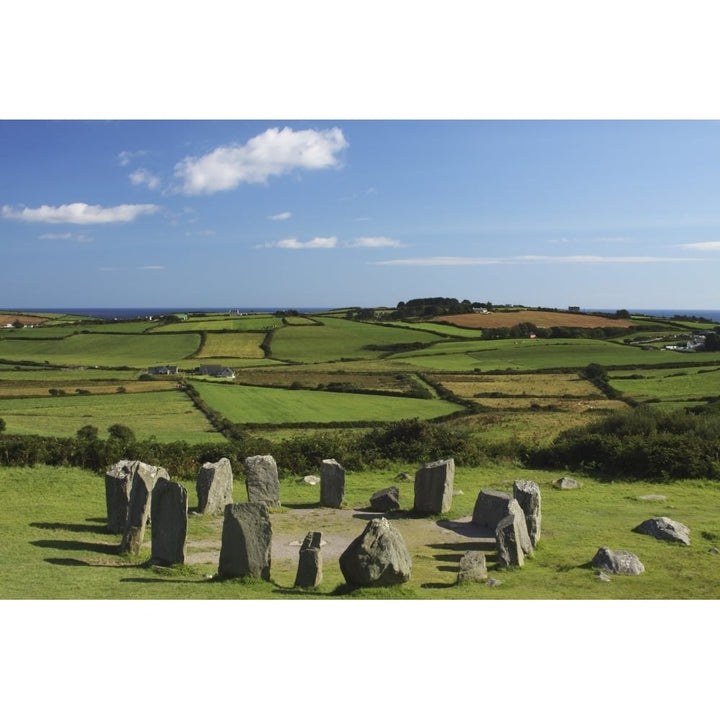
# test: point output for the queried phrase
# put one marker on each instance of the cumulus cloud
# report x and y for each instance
(144, 177)
(274, 152)
(708, 245)
(78, 213)
(280, 216)
(527, 260)
(322, 243)
(374, 242)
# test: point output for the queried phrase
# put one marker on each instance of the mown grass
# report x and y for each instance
(260, 405)
(232, 345)
(243, 323)
(104, 349)
(169, 415)
(56, 546)
(336, 339)
(669, 385)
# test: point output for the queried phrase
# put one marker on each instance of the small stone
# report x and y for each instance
(566, 483)
(617, 562)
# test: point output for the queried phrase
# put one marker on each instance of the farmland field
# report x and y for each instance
(240, 323)
(232, 345)
(103, 349)
(339, 339)
(167, 414)
(540, 318)
(259, 405)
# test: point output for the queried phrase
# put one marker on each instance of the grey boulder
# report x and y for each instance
(377, 558)
(663, 528)
(617, 562)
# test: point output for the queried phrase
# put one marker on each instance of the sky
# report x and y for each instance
(326, 213)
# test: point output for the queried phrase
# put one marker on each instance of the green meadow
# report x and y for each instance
(56, 545)
(252, 405)
(309, 377)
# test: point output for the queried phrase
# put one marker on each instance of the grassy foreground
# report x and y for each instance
(55, 545)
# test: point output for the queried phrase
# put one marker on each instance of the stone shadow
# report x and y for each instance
(77, 545)
(70, 527)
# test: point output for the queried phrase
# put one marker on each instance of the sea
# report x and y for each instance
(145, 312)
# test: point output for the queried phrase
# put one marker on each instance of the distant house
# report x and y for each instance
(215, 371)
(163, 370)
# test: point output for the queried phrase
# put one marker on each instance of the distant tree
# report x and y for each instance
(712, 341)
(18, 324)
(121, 432)
(622, 315)
(87, 432)
(3, 425)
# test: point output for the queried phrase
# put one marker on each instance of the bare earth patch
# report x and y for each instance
(540, 318)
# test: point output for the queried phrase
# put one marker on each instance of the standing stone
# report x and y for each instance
(618, 562)
(434, 487)
(168, 513)
(261, 480)
(309, 572)
(663, 528)
(473, 567)
(118, 482)
(143, 482)
(332, 483)
(385, 500)
(527, 493)
(508, 534)
(377, 558)
(214, 487)
(246, 541)
(490, 508)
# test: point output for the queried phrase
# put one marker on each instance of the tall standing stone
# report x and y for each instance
(168, 527)
(332, 483)
(490, 508)
(377, 558)
(118, 482)
(214, 487)
(434, 487)
(508, 534)
(261, 480)
(309, 572)
(246, 541)
(144, 479)
(527, 493)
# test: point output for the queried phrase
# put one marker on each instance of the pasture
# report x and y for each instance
(168, 414)
(253, 405)
(54, 524)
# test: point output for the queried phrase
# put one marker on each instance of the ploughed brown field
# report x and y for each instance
(540, 318)
(24, 319)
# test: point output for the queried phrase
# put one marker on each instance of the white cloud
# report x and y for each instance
(126, 156)
(295, 244)
(375, 242)
(144, 177)
(152, 267)
(76, 237)
(79, 213)
(274, 152)
(528, 260)
(280, 216)
(708, 245)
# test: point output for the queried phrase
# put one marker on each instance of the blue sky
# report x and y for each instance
(359, 212)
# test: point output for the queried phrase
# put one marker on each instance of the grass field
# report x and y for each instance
(169, 415)
(261, 405)
(54, 525)
(336, 339)
(103, 349)
(693, 384)
(232, 345)
(215, 323)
